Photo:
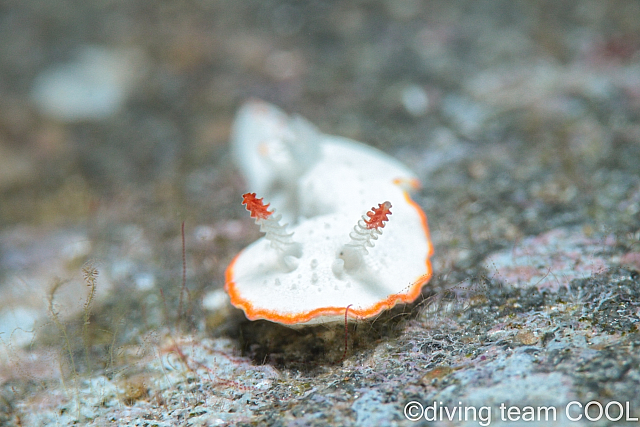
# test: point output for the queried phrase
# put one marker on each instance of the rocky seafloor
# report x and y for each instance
(521, 119)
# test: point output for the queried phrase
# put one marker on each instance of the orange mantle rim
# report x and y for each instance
(253, 313)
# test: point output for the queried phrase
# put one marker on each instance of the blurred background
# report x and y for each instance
(102, 97)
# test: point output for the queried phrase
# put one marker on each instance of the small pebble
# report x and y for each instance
(92, 87)
(415, 100)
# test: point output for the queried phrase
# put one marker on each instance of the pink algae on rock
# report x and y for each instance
(550, 260)
(631, 260)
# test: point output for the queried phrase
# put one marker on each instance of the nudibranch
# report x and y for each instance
(323, 250)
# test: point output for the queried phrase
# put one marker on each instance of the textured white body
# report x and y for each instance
(304, 173)
(323, 185)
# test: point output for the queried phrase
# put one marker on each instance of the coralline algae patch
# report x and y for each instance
(550, 260)
(212, 362)
(201, 379)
